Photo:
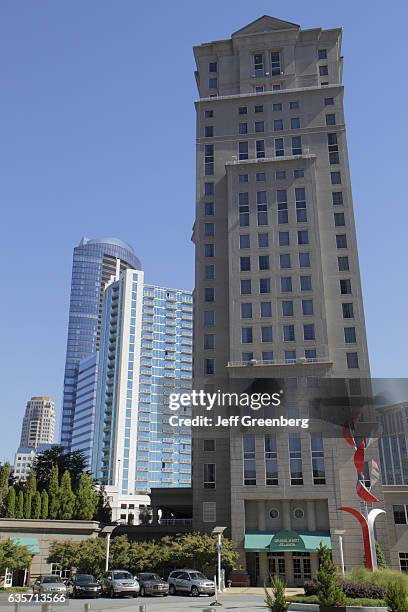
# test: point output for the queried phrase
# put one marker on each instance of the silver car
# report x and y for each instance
(119, 582)
(190, 581)
(50, 585)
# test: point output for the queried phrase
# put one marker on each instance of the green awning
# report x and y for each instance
(31, 543)
(286, 541)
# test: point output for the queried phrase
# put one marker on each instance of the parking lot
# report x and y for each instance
(248, 602)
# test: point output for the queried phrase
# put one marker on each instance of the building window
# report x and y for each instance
(278, 125)
(209, 342)
(307, 307)
(263, 240)
(301, 211)
(259, 126)
(341, 241)
(343, 264)
(348, 310)
(303, 237)
(283, 238)
(400, 514)
(294, 104)
(209, 475)
(209, 318)
(213, 83)
(209, 367)
(249, 459)
(209, 229)
(266, 309)
(295, 123)
(259, 64)
(262, 207)
(282, 201)
(246, 335)
(246, 310)
(267, 355)
(295, 460)
(333, 148)
(308, 331)
(271, 460)
(304, 260)
(242, 110)
(339, 219)
(279, 147)
(209, 250)
(352, 360)
(209, 512)
(209, 159)
(350, 335)
(287, 308)
(245, 264)
(243, 201)
(284, 260)
(260, 149)
(209, 446)
(335, 178)
(264, 285)
(280, 175)
(317, 451)
(258, 108)
(289, 333)
(263, 261)
(322, 54)
(209, 131)
(337, 198)
(330, 119)
(209, 272)
(209, 294)
(243, 178)
(323, 70)
(243, 128)
(244, 241)
(276, 63)
(246, 286)
(243, 150)
(305, 283)
(296, 145)
(403, 559)
(345, 286)
(208, 114)
(290, 356)
(277, 107)
(266, 334)
(298, 173)
(213, 67)
(209, 209)
(286, 284)
(208, 189)
(260, 177)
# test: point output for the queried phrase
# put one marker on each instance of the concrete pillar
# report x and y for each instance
(289, 569)
(311, 515)
(286, 514)
(261, 516)
(263, 569)
(314, 563)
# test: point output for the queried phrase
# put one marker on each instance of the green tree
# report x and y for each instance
(145, 516)
(27, 504)
(36, 507)
(65, 553)
(73, 462)
(4, 484)
(14, 556)
(275, 600)
(54, 501)
(103, 511)
(381, 562)
(396, 597)
(66, 498)
(11, 503)
(31, 483)
(44, 505)
(86, 501)
(20, 505)
(329, 590)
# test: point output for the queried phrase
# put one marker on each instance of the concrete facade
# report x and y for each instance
(277, 281)
(38, 423)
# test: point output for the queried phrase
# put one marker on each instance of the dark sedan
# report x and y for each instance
(84, 585)
(152, 584)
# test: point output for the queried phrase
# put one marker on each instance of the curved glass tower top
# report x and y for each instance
(95, 262)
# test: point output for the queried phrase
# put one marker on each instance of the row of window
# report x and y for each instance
(276, 108)
(259, 126)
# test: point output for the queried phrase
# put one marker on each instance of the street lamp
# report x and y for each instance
(340, 533)
(218, 531)
(108, 530)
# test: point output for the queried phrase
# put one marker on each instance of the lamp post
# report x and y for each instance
(108, 530)
(218, 531)
(340, 533)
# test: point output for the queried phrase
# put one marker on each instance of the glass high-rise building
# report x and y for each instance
(145, 354)
(94, 263)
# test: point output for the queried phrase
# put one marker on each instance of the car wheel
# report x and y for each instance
(194, 591)
(172, 590)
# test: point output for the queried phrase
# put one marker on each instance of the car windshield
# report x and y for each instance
(122, 576)
(85, 579)
(51, 579)
(197, 576)
(150, 577)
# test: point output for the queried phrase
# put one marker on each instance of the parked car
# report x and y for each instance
(152, 584)
(84, 585)
(50, 584)
(190, 581)
(119, 582)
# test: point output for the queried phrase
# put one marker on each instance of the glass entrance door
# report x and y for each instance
(302, 569)
(276, 564)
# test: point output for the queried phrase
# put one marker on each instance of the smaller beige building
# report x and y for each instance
(38, 535)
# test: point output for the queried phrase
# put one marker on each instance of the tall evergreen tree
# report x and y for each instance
(86, 499)
(44, 463)
(66, 498)
(4, 483)
(36, 506)
(27, 504)
(44, 505)
(11, 503)
(20, 505)
(104, 511)
(31, 483)
(54, 502)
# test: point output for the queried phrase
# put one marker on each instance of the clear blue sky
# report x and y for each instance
(97, 138)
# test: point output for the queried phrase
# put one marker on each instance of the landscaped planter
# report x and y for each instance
(302, 607)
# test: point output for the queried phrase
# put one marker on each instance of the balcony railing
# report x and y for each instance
(273, 362)
(188, 522)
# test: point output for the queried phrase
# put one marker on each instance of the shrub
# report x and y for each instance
(276, 601)
(382, 577)
(396, 597)
(363, 590)
(329, 590)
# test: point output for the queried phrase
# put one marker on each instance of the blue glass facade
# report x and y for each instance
(145, 354)
(84, 416)
(94, 263)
